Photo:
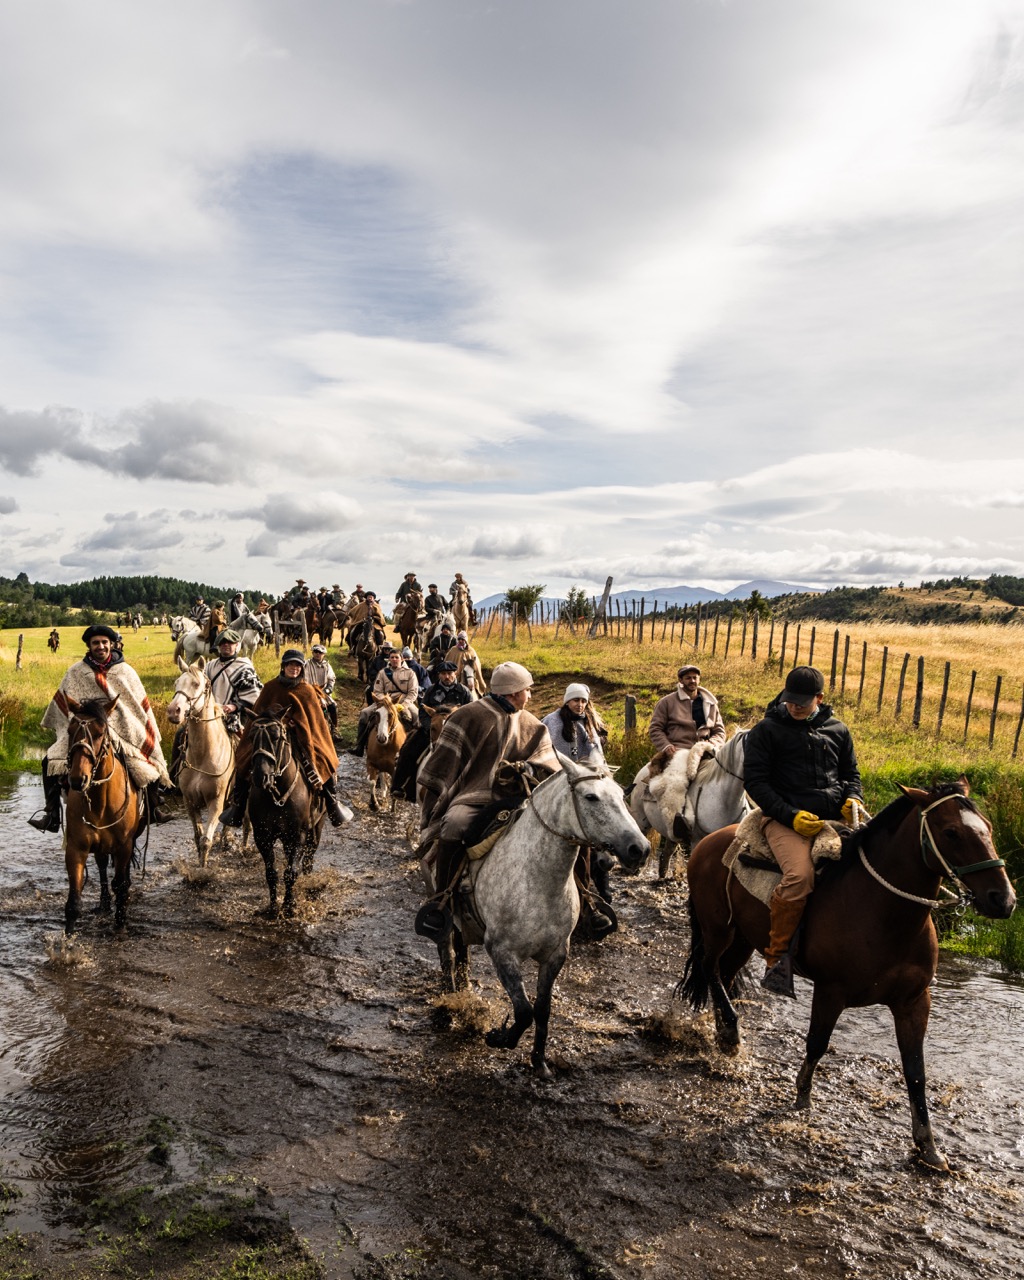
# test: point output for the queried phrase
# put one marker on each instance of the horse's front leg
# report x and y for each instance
(74, 860)
(546, 977)
(291, 874)
(911, 1021)
(102, 860)
(266, 849)
(511, 977)
(826, 1006)
(122, 883)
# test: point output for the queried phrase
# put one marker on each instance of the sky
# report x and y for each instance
(677, 291)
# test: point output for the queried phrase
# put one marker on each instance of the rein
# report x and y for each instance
(929, 845)
(279, 753)
(196, 715)
(97, 757)
(572, 784)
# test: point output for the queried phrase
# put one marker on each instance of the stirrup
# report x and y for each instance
(434, 921)
(232, 816)
(45, 820)
(779, 978)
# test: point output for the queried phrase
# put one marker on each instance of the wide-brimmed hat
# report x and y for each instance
(510, 677)
(803, 685)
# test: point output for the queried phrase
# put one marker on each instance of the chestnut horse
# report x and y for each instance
(868, 936)
(102, 809)
(407, 622)
(387, 736)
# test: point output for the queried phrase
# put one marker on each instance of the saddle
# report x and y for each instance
(750, 859)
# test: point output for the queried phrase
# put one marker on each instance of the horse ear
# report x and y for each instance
(201, 662)
(182, 664)
(570, 766)
(73, 706)
(113, 703)
(913, 793)
(431, 711)
(965, 784)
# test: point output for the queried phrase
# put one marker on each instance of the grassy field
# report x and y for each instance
(890, 749)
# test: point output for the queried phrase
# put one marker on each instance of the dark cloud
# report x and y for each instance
(264, 543)
(7, 505)
(301, 513)
(507, 546)
(28, 437)
(193, 441)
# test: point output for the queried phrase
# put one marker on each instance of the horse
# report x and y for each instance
(53, 641)
(525, 903)
(363, 642)
(208, 752)
(460, 607)
(190, 643)
(407, 618)
(868, 936)
(282, 806)
(102, 809)
(387, 734)
(714, 799)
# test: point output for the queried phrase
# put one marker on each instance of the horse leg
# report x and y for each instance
(461, 960)
(911, 1021)
(371, 773)
(549, 971)
(122, 883)
(511, 978)
(75, 863)
(266, 848)
(826, 1006)
(102, 860)
(666, 859)
(291, 874)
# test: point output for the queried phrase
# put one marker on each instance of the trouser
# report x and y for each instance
(793, 854)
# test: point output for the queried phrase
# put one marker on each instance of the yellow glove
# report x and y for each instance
(848, 810)
(807, 824)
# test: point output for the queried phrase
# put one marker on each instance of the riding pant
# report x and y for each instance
(793, 854)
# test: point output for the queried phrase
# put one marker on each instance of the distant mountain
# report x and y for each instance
(769, 589)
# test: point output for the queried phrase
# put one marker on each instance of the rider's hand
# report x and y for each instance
(228, 708)
(848, 810)
(807, 824)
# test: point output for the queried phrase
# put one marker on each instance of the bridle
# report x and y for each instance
(195, 707)
(929, 846)
(270, 741)
(84, 745)
(572, 783)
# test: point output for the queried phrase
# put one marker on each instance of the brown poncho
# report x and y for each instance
(474, 740)
(314, 733)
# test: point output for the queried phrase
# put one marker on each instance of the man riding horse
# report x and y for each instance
(367, 608)
(290, 692)
(457, 781)
(103, 673)
(236, 687)
(446, 693)
(800, 769)
(400, 684)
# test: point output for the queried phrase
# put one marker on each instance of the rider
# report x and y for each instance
(290, 692)
(367, 608)
(446, 692)
(417, 668)
(467, 664)
(457, 780)
(435, 604)
(409, 583)
(439, 648)
(687, 716)
(800, 769)
(460, 581)
(103, 673)
(400, 684)
(236, 687)
(319, 673)
(200, 614)
(238, 610)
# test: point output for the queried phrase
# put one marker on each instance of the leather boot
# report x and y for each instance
(234, 814)
(337, 813)
(49, 819)
(364, 732)
(434, 919)
(786, 916)
(155, 805)
(175, 766)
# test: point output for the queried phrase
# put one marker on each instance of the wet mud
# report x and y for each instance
(212, 1086)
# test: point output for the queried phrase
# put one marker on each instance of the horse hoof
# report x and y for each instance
(729, 1042)
(931, 1160)
(497, 1038)
(542, 1071)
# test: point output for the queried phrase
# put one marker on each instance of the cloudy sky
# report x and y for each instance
(684, 291)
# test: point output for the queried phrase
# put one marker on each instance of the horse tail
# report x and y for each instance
(694, 986)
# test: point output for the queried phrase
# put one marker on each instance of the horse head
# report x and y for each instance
(600, 812)
(386, 717)
(191, 689)
(956, 841)
(88, 738)
(438, 720)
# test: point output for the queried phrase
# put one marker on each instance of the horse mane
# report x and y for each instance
(93, 709)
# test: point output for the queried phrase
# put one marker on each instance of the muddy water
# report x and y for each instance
(313, 1057)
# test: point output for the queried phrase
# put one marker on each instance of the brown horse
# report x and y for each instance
(53, 640)
(387, 736)
(868, 936)
(103, 809)
(407, 621)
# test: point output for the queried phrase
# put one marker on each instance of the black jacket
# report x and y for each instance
(789, 765)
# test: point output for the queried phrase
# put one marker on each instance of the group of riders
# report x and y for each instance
(800, 767)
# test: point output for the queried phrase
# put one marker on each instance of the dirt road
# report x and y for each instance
(214, 1094)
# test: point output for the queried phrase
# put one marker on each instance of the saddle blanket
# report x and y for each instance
(749, 841)
(668, 781)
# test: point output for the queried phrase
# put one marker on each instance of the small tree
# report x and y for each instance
(519, 601)
(759, 605)
(577, 606)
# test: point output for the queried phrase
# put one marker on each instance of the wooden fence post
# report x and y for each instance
(810, 656)
(970, 700)
(846, 660)
(881, 681)
(863, 669)
(1020, 725)
(796, 650)
(903, 679)
(728, 635)
(696, 626)
(17, 658)
(753, 640)
(515, 622)
(942, 701)
(919, 693)
(277, 634)
(682, 625)
(995, 712)
(501, 638)
(629, 718)
(672, 636)
(714, 638)
(771, 638)
(835, 659)
(782, 655)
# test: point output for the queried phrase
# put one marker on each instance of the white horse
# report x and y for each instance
(525, 903)
(190, 645)
(208, 756)
(714, 799)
